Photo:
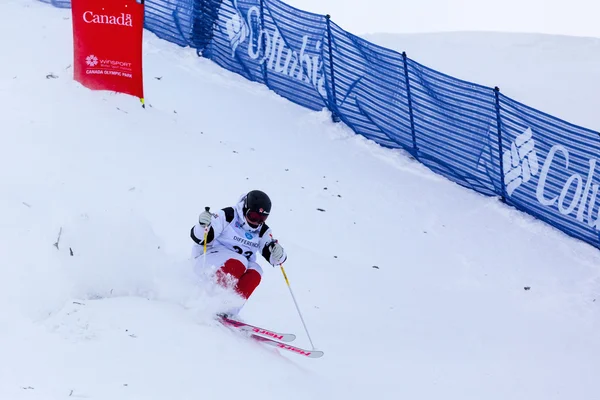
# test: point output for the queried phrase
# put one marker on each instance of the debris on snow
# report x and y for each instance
(58, 240)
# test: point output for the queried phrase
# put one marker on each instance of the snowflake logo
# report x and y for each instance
(91, 60)
(520, 162)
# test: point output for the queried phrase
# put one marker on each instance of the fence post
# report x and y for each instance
(334, 116)
(197, 28)
(500, 154)
(410, 107)
(205, 17)
(262, 42)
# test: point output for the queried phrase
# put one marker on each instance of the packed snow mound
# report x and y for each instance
(412, 285)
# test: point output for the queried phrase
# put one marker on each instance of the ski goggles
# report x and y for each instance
(255, 217)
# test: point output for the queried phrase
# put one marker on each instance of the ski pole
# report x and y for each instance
(296, 303)
(206, 229)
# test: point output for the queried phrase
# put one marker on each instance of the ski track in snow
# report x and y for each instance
(443, 316)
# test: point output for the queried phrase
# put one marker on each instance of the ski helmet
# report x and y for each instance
(257, 207)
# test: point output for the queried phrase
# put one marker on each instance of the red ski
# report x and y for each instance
(255, 333)
(284, 337)
(285, 346)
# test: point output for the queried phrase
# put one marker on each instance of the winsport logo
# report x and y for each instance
(91, 60)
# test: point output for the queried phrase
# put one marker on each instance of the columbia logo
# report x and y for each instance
(237, 30)
(520, 162)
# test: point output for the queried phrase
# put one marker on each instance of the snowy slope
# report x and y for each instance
(444, 316)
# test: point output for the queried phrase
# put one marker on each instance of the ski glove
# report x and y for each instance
(278, 255)
(205, 219)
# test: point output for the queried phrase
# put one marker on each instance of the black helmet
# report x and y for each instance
(257, 207)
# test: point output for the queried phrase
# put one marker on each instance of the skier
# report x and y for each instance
(235, 235)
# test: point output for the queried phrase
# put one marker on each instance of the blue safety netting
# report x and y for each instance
(471, 134)
(369, 86)
(274, 44)
(455, 128)
(58, 3)
(550, 169)
(173, 20)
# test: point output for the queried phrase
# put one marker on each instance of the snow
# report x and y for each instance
(443, 316)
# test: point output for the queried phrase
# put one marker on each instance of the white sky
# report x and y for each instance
(574, 17)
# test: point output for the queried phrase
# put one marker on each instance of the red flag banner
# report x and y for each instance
(107, 42)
